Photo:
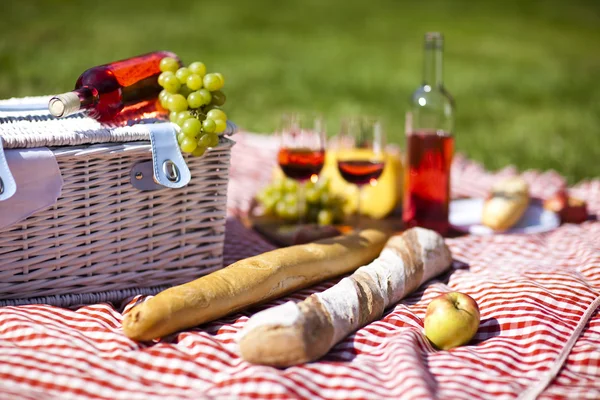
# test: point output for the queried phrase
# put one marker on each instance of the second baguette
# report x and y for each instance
(250, 281)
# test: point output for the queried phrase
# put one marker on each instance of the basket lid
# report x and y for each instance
(26, 122)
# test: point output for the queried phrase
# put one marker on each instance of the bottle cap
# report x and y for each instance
(64, 104)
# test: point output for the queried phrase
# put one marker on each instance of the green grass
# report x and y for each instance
(524, 73)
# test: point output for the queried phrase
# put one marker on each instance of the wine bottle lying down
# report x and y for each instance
(105, 90)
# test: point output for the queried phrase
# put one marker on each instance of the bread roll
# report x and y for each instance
(250, 281)
(507, 204)
(292, 333)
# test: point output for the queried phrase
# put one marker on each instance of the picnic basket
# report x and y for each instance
(105, 239)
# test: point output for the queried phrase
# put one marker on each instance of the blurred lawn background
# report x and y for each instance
(524, 73)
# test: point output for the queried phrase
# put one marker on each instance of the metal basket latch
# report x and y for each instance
(8, 186)
(168, 166)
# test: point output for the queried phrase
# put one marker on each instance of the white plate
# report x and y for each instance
(465, 216)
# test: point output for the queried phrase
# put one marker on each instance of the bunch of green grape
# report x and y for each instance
(193, 98)
(280, 198)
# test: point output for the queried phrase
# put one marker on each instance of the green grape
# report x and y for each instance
(218, 98)
(281, 209)
(290, 186)
(269, 204)
(206, 96)
(177, 102)
(168, 64)
(182, 74)
(208, 126)
(220, 75)
(291, 211)
(185, 91)
(180, 137)
(188, 145)
(172, 84)
(212, 82)
(290, 199)
(163, 76)
(277, 194)
(191, 127)
(182, 116)
(199, 151)
(214, 140)
(173, 116)
(312, 195)
(194, 81)
(216, 114)
(267, 199)
(204, 140)
(163, 95)
(195, 100)
(325, 217)
(221, 125)
(163, 101)
(197, 68)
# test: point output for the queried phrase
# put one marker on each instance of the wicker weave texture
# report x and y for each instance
(105, 235)
(37, 128)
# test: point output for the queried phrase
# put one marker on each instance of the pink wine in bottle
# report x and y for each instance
(106, 90)
(429, 146)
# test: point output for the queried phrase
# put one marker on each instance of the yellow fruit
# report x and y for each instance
(376, 201)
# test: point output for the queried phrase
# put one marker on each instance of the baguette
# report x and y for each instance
(292, 333)
(507, 204)
(250, 281)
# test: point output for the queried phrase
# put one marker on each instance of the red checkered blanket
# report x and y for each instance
(539, 332)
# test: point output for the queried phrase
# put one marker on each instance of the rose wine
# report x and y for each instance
(429, 157)
(107, 90)
(360, 172)
(429, 145)
(301, 164)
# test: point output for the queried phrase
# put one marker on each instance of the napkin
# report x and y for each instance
(38, 181)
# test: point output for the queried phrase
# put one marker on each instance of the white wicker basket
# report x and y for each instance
(104, 239)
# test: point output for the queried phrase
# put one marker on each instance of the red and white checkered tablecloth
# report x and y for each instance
(539, 330)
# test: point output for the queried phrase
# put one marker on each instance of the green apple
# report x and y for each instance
(452, 319)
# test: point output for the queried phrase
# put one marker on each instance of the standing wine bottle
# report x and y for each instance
(429, 145)
(104, 91)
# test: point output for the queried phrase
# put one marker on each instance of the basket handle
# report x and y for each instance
(169, 167)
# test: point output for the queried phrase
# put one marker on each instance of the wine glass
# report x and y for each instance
(301, 151)
(361, 154)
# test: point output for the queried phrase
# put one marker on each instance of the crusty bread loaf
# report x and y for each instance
(250, 281)
(292, 333)
(506, 205)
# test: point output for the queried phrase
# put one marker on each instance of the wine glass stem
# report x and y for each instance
(358, 196)
(301, 202)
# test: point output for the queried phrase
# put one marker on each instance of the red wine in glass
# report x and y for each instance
(427, 193)
(301, 164)
(361, 157)
(360, 172)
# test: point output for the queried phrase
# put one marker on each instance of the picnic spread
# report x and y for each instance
(136, 262)
(539, 331)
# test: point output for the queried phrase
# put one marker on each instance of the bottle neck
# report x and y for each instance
(69, 103)
(433, 60)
